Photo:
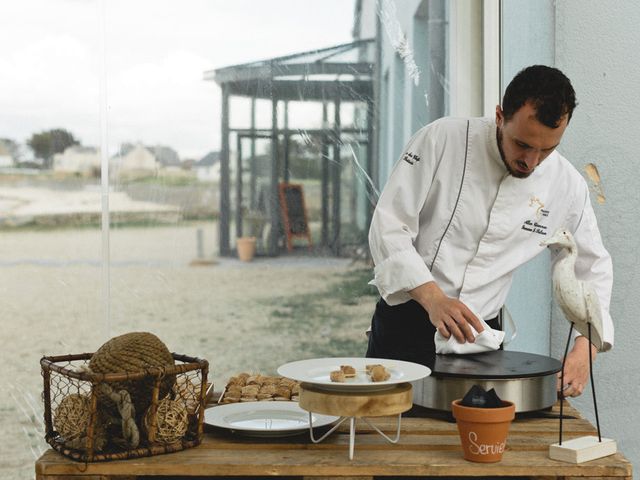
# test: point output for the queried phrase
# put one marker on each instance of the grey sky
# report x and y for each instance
(157, 51)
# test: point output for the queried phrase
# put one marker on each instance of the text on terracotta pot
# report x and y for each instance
(484, 448)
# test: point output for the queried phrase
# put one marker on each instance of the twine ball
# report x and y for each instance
(71, 418)
(171, 420)
(189, 393)
(133, 352)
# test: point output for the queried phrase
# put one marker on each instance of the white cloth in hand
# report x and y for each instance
(487, 340)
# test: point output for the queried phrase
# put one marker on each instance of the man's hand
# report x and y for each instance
(449, 315)
(576, 368)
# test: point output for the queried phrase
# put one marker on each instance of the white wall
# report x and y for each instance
(597, 46)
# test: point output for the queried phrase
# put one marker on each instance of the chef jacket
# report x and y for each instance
(451, 213)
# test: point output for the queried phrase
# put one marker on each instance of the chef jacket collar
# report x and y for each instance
(492, 143)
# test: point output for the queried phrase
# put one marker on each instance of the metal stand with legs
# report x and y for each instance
(352, 405)
(352, 431)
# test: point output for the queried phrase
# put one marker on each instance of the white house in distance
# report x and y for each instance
(208, 167)
(6, 160)
(78, 160)
(139, 162)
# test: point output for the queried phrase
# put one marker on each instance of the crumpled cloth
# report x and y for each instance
(487, 340)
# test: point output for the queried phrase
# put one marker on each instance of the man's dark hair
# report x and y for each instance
(547, 88)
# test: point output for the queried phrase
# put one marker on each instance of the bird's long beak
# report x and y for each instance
(547, 242)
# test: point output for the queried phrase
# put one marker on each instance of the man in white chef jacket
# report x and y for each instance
(467, 203)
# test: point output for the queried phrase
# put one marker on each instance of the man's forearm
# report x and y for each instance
(581, 344)
(426, 294)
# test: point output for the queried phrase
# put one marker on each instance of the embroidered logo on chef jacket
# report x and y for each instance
(536, 225)
(411, 158)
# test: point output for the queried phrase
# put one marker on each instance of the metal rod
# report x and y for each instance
(593, 387)
(352, 436)
(253, 198)
(325, 177)
(224, 176)
(318, 440)
(387, 437)
(238, 187)
(564, 359)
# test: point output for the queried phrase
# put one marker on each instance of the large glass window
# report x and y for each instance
(113, 173)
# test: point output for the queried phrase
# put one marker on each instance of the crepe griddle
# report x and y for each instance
(527, 379)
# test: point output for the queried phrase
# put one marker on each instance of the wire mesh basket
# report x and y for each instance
(95, 417)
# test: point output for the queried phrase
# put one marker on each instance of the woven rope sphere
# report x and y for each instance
(133, 352)
(71, 417)
(188, 392)
(171, 419)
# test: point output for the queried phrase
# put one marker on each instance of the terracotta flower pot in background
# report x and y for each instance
(246, 247)
(483, 431)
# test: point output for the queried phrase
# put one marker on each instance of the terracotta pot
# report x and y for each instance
(246, 247)
(483, 431)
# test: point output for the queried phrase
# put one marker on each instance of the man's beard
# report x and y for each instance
(512, 172)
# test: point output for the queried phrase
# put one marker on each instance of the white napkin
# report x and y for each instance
(487, 340)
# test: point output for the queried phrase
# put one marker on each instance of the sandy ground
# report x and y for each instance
(233, 314)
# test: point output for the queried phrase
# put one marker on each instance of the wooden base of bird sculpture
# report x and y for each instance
(582, 449)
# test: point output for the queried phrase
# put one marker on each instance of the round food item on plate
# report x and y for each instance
(348, 370)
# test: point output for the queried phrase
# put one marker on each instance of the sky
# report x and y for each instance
(156, 52)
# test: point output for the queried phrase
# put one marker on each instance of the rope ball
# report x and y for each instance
(171, 421)
(72, 416)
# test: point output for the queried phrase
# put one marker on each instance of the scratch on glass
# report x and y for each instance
(363, 174)
(398, 39)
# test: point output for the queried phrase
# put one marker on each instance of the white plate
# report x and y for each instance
(316, 371)
(264, 419)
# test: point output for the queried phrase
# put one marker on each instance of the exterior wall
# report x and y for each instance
(597, 47)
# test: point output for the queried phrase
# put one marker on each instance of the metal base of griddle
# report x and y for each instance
(528, 380)
(528, 394)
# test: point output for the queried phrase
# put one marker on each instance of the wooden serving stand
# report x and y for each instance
(356, 404)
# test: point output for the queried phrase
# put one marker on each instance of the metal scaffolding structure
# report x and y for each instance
(335, 75)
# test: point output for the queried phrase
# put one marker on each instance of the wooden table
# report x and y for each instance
(427, 447)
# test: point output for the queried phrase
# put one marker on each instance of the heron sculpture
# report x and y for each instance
(579, 303)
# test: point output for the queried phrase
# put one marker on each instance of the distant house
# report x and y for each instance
(137, 163)
(6, 159)
(166, 156)
(77, 160)
(208, 167)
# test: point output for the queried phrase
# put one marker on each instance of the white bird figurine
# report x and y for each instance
(577, 299)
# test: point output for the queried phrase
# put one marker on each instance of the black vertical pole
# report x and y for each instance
(225, 213)
(593, 387)
(274, 204)
(253, 197)
(564, 359)
(325, 177)
(286, 142)
(238, 186)
(335, 181)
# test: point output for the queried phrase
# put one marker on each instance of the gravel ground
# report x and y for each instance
(240, 316)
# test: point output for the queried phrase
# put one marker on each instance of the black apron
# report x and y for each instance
(404, 332)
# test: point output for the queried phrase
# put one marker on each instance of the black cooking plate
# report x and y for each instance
(499, 364)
